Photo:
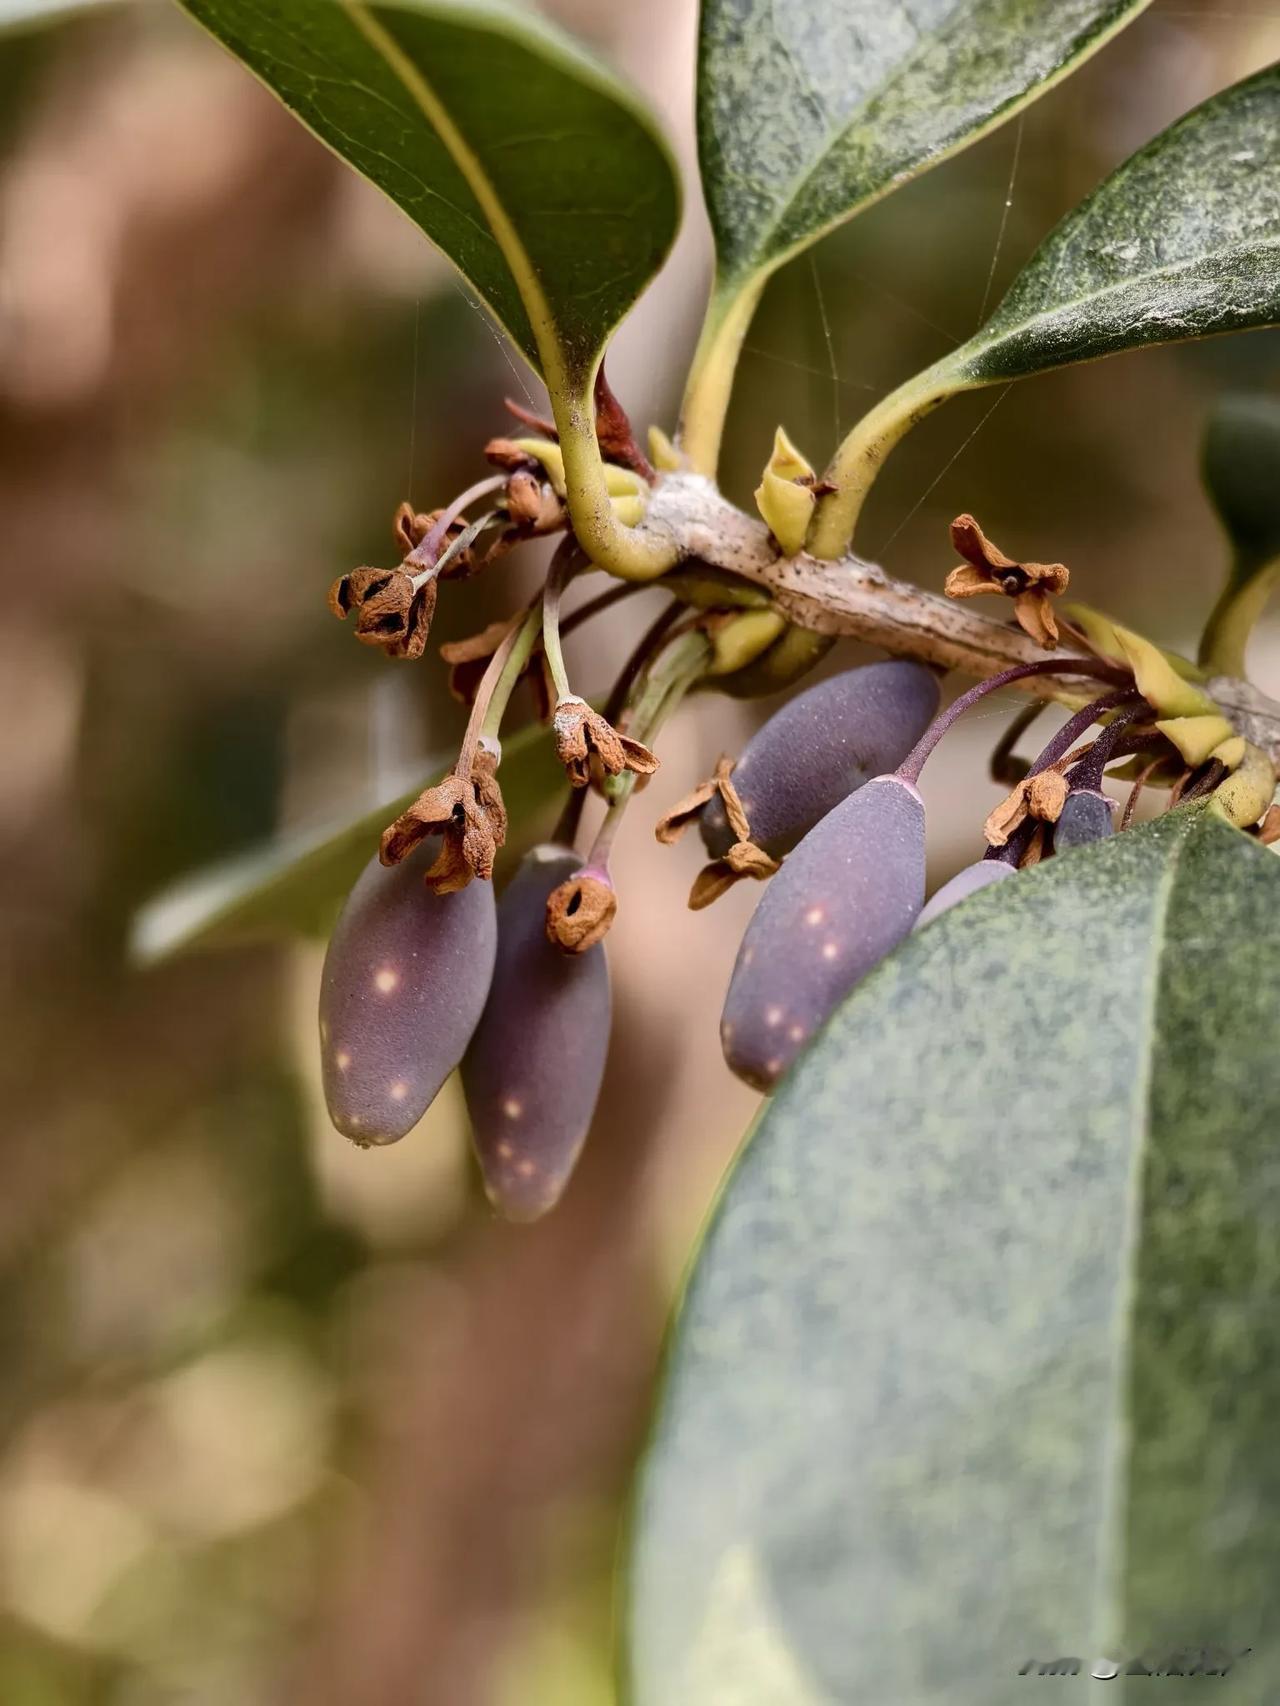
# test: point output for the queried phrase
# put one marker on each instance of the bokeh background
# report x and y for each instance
(281, 1421)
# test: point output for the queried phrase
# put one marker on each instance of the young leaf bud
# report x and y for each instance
(403, 987)
(962, 885)
(532, 1073)
(819, 747)
(785, 496)
(844, 899)
(1087, 816)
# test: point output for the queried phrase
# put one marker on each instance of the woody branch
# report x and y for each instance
(851, 598)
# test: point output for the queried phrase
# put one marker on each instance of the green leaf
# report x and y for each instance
(980, 1360)
(1241, 467)
(532, 168)
(808, 111)
(1182, 241)
(297, 885)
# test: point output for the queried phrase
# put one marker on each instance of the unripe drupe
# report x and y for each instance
(533, 1071)
(819, 747)
(1087, 815)
(403, 987)
(962, 885)
(843, 900)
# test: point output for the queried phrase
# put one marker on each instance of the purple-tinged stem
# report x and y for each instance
(426, 551)
(911, 766)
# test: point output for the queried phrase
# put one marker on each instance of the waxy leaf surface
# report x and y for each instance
(980, 1360)
(531, 167)
(807, 110)
(1182, 241)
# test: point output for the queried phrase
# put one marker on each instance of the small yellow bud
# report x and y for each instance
(1159, 682)
(1246, 794)
(663, 453)
(622, 482)
(1196, 737)
(1099, 630)
(1231, 752)
(784, 496)
(742, 639)
(550, 455)
(628, 511)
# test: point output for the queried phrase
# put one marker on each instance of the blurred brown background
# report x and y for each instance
(282, 1421)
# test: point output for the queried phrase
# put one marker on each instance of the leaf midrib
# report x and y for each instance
(541, 320)
(734, 283)
(1112, 1516)
(975, 348)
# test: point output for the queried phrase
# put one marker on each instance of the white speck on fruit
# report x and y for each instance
(526, 1169)
(342, 1060)
(399, 1090)
(830, 950)
(796, 1033)
(385, 979)
(773, 1016)
(773, 1067)
(815, 915)
(506, 1150)
(512, 1109)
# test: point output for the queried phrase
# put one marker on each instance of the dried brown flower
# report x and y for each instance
(506, 453)
(466, 809)
(1041, 797)
(743, 859)
(409, 528)
(524, 496)
(580, 912)
(986, 569)
(393, 610)
(686, 812)
(581, 732)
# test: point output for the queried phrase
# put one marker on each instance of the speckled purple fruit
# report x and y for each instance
(404, 983)
(822, 745)
(843, 900)
(1087, 816)
(532, 1073)
(962, 885)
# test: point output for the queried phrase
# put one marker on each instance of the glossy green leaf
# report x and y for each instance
(532, 168)
(1241, 469)
(807, 111)
(1182, 241)
(980, 1361)
(297, 885)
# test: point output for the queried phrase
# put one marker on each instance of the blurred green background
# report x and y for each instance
(282, 1421)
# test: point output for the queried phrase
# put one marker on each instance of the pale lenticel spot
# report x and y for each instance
(385, 979)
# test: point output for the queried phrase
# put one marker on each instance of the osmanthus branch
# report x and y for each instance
(851, 598)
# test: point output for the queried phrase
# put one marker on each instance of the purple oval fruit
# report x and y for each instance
(844, 899)
(961, 886)
(403, 986)
(1087, 815)
(533, 1071)
(819, 747)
